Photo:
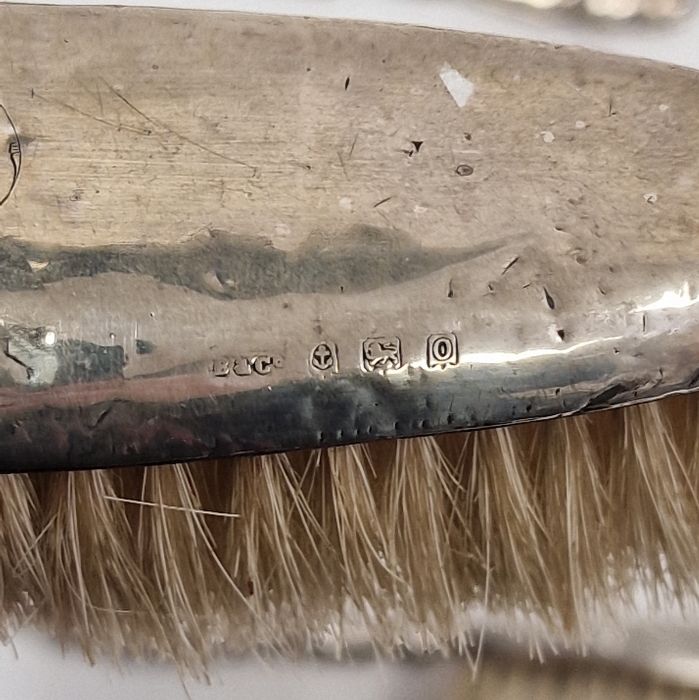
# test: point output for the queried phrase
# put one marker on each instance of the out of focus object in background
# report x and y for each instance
(621, 9)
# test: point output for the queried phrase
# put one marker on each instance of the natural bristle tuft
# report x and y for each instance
(397, 539)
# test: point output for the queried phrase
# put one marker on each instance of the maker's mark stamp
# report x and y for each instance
(380, 354)
(10, 155)
(245, 365)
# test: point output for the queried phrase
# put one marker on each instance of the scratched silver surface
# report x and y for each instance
(223, 234)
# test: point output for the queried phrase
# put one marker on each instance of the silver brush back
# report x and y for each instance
(224, 234)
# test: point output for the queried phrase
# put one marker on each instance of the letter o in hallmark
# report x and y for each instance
(442, 350)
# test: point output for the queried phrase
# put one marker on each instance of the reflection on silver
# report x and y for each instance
(681, 298)
(492, 358)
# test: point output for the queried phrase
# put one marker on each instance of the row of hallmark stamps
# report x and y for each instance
(378, 354)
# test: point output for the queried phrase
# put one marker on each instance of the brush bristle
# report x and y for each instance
(401, 538)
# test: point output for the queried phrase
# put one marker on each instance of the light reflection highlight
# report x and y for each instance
(494, 358)
(672, 299)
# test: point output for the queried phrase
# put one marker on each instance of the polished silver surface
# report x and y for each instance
(227, 234)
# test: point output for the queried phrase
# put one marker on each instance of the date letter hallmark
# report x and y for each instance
(442, 351)
(323, 358)
(380, 354)
(10, 156)
(246, 366)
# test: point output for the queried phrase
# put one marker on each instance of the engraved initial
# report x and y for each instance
(10, 155)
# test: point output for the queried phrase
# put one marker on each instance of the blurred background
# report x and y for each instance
(654, 656)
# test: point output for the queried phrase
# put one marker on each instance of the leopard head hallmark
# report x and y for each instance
(10, 155)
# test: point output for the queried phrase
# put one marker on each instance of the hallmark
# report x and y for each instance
(323, 357)
(380, 354)
(245, 366)
(442, 350)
